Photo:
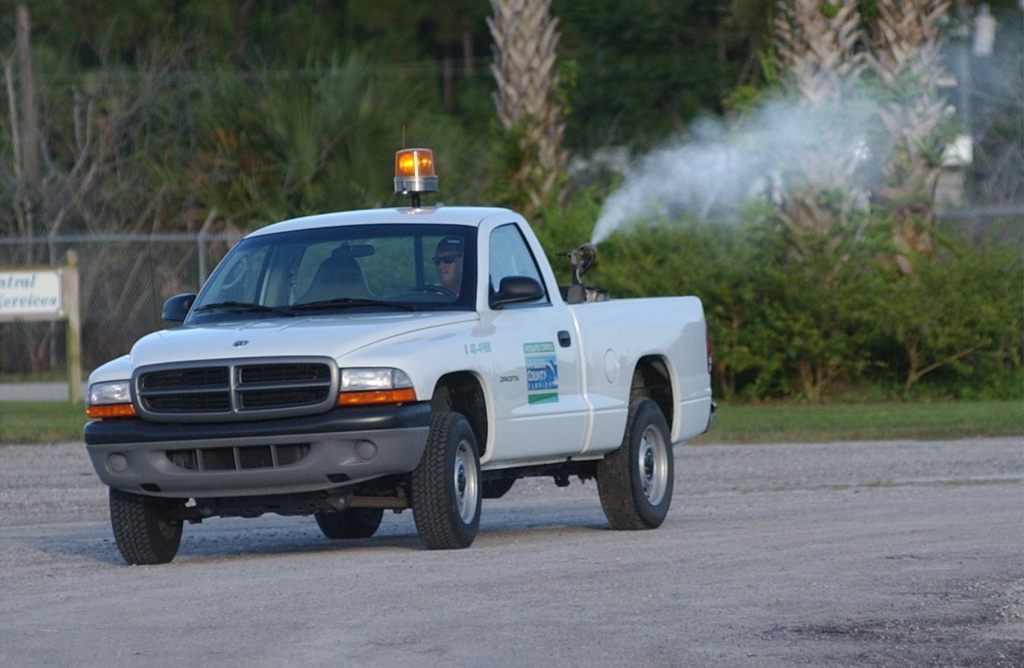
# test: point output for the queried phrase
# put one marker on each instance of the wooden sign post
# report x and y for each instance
(45, 293)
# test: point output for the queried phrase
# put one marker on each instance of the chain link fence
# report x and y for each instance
(124, 281)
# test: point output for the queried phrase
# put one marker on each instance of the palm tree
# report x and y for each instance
(904, 43)
(818, 52)
(824, 48)
(525, 39)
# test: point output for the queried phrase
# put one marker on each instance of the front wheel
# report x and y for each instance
(143, 531)
(635, 481)
(446, 486)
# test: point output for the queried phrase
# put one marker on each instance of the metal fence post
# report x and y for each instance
(72, 316)
(201, 240)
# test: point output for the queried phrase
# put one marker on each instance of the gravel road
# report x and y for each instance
(845, 554)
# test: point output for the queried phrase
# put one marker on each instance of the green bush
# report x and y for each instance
(955, 324)
(840, 322)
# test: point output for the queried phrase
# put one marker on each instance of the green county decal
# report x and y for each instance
(541, 373)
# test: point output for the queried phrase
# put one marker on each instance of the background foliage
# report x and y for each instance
(818, 328)
(156, 112)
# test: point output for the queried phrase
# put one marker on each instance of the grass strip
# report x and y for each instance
(41, 422)
(784, 423)
(56, 422)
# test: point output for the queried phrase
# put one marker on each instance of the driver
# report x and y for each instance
(448, 260)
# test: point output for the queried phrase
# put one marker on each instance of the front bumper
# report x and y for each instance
(285, 456)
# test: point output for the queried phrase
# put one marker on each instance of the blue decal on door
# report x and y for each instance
(541, 373)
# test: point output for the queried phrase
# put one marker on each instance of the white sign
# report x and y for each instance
(30, 294)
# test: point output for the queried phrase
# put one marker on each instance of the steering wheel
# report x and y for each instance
(435, 289)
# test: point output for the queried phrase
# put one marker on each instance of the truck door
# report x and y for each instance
(539, 400)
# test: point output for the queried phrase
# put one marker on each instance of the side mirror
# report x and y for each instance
(516, 289)
(177, 307)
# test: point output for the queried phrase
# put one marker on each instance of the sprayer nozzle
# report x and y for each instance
(581, 259)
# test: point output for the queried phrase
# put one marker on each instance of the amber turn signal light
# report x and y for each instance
(110, 411)
(376, 397)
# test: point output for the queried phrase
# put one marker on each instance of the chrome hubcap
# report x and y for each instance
(653, 465)
(467, 483)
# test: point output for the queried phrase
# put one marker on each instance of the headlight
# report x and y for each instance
(375, 386)
(354, 380)
(117, 392)
(108, 400)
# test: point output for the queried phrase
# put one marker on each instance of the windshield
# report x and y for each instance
(356, 268)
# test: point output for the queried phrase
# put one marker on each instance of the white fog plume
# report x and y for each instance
(714, 169)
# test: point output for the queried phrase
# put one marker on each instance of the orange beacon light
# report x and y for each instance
(414, 173)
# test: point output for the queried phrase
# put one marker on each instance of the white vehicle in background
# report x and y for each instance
(345, 364)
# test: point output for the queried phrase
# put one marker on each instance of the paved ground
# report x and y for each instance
(854, 554)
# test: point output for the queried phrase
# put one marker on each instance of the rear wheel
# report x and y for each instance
(635, 482)
(446, 486)
(143, 531)
(349, 523)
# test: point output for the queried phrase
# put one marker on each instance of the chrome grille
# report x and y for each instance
(283, 373)
(203, 377)
(190, 403)
(274, 398)
(236, 390)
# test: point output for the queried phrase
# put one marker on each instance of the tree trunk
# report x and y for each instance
(448, 74)
(29, 117)
(467, 53)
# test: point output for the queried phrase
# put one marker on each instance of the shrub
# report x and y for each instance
(831, 323)
(960, 313)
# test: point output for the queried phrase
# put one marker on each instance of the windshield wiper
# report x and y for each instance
(347, 302)
(246, 307)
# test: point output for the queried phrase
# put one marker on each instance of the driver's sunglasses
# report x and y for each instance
(445, 259)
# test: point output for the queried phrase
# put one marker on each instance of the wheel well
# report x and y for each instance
(652, 380)
(460, 392)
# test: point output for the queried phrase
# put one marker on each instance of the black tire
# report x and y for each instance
(446, 487)
(635, 481)
(142, 530)
(349, 523)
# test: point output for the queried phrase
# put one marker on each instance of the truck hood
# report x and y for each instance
(330, 336)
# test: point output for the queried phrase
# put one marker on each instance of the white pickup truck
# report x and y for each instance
(344, 364)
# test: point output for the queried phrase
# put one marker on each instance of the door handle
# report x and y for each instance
(564, 339)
